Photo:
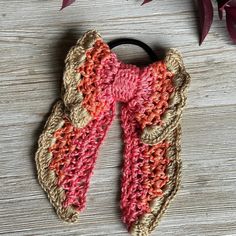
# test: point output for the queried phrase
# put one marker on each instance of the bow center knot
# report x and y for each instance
(125, 83)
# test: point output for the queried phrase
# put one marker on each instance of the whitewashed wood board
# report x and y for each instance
(34, 39)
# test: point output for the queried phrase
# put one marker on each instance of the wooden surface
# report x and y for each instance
(34, 39)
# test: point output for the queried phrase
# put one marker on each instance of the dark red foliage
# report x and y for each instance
(229, 6)
(146, 1)
(66, 3)
(206, 17)
(231, 21)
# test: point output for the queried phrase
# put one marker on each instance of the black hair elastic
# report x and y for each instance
(145, 47)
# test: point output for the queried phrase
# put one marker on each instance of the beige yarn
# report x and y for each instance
(155, 133)
(72, 109)
(46, 177)
(171, 131)
(72, 98)
(147, 223)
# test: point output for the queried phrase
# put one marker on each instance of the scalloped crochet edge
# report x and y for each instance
(80, 117)
(46, 177)
(72, 98)
(148, 222)
(156, 133)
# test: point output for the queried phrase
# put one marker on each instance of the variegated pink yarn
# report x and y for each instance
(144, 93)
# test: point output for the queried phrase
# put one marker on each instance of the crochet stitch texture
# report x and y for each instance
(152, 99)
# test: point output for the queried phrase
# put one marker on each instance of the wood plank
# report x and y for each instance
(207, 198)
(34, 40)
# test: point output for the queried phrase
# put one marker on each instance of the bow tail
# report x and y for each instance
(151, 124)
(66, 157)
(151, 176)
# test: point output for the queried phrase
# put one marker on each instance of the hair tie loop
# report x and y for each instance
(145, 47)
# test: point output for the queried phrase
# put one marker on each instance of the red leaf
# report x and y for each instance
(146, 1)
(221, 6)
(231, 21)
(66, 3)
(206, 17)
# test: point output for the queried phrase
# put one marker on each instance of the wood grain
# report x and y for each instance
(34, 39)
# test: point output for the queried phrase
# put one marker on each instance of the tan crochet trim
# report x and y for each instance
(147, 223)
(47, 178)
(170, 131)
(155, 134)
(78, 115)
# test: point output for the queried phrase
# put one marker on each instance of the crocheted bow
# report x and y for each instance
(152, 101)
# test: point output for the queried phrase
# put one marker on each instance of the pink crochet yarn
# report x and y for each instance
(144, 93)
